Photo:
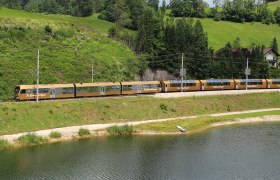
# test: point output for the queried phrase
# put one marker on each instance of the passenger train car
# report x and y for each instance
(78, 90)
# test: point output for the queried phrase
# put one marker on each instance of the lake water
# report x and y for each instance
(234, 152)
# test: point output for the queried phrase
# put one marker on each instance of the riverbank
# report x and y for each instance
(29, 117)
(152, 127)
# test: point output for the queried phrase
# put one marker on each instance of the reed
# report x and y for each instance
(120, 130)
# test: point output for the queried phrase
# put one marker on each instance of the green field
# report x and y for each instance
(273, 5)
(66, 55)
(92, 22)
(219, 32)
(28, 116)
(195, 124)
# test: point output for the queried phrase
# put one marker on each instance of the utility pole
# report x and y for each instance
(38, 75)
(91, 74)
(247, 73)
(182, 72)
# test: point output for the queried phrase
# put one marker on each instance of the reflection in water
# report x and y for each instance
(236, 152)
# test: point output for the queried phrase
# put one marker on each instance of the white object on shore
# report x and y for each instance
(181, 129)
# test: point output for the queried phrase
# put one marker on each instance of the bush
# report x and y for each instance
(4, 144)
(31, 139)
(120, 130)
(163, 106)
(48, 30)
(55, 135)
(64, 33)
(84, 132)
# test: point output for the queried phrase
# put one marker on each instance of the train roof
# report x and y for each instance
(184, 81)
(217, 80)
(140, 82)
(250, 80)
(97, 84)
(180, 81)
(41, 86)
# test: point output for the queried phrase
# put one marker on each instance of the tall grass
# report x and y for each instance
(55, 135)
(120, 130)
(4, 144)
(32, 139)
(84, 132)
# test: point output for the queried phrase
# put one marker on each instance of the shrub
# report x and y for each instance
(4, 144)
(55, 135)
(64, 33)
(228, 108)
(48, 30)
(120, 130)
(163, 106)
(31, 139)
(84, 132)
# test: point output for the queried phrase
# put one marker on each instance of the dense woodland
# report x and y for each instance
(160, 40)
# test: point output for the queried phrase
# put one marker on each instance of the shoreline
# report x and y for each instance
(99, 130)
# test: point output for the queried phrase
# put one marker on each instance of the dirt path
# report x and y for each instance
(69, 132)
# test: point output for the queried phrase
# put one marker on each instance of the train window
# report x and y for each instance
(252, 83)
(31, 91)
(276, 82)
(23, 91)
(67, 91)
(45, 90)
(87, 89)
(112, 88)
(150, 86)
(129, 87)
(175, 85)
(190, 84)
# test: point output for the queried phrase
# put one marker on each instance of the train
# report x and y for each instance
(80, 90)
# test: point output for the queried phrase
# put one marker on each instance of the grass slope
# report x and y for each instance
(28, 116)
(194, 124)
(66, 56)
(219, 32)
(92, 22)
(273, 5)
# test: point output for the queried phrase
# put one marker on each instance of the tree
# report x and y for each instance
(10, 3)
(236, 43)
(217, 3)
(198, 65)
(153, 3)
(177, 7)
(260, 68)
(82, 8)
(277, 15)
(198, 9)
(24, 3)
(147, 32)
(122, 14)
(274, 44)
(163, 6)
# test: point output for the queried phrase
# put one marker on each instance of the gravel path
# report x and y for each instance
(213, 93)
(70, 132)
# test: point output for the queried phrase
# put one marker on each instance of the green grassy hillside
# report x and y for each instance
(219, 32)
(29, 116)
(273, 5)
(67, 54)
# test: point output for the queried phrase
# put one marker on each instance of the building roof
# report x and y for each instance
(235, 51)
(266, 50)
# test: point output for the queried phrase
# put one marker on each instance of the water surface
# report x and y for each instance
(234, 152)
